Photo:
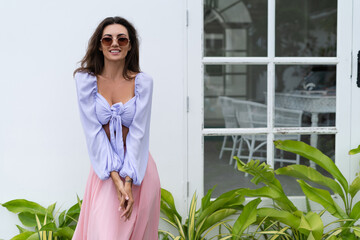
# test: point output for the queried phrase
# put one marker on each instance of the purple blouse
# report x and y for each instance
(107, 156)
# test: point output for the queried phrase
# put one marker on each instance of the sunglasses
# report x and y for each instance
(107, 41)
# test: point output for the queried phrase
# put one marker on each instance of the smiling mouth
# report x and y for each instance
(115, 51)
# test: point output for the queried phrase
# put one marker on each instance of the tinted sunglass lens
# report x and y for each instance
(123, 41)
(106, 41)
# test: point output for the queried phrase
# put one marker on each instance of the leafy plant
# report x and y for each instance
(301, 225)
(306, 176)
(199, 223)
(284, 211)
(44, 224)
(281, 221)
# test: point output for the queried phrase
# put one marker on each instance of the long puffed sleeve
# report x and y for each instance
(102, 156)
(137, 139)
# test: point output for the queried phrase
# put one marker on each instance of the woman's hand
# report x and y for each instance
(129, 201)
(122, 195)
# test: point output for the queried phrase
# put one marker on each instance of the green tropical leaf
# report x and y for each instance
(279, 197)
(261, 192)
(356, 231)
(312, 225)
(49, 227)
(28, 219)
(312, 175)
(167, 197)
(167, 233)
(324, 198)
(213, 227)
(79, 201)
(22, 205)
(34, 236)
(354, 186)
(192, 211)
(214, 218)
(170, 222)
(311, 237)
(265, 174)
(21, 229)
(290, 219)
(22, 236)
(62, 218)
(223, 201)
(236, 202)
(355, 150)
(205, 201)
(261, 172)
(72, 214)
(333, 235)
(180, 227)
(65, 232)
(355, 212)
(50, 210)
(314, 155)
(246, 218)
(169, 213)
(168, 205)
(198, 229)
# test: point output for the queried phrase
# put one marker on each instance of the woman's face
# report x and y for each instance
(114, 51)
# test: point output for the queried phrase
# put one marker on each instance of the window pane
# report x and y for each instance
(225, 83)
(306, 28)
(219, 168)
(305, 96)
(325, 143)
(235, 28)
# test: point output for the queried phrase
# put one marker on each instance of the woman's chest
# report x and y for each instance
(116, 91)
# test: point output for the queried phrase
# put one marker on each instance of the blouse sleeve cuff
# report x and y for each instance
(123, 173)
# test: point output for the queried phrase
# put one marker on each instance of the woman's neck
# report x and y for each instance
(113, 70)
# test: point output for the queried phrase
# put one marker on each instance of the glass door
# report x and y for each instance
(266, 70)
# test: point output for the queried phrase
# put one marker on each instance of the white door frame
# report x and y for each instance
(355, 91)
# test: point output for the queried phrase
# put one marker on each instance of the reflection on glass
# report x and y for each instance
(308, 89)
(326, 144)
(220, 170)
(236, 82)
(219, 167)
(235, 28)
(306, 28)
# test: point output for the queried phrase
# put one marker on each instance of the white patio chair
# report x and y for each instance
(228, 112)
(254, 115)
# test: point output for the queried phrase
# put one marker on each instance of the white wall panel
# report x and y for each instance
(43, 156)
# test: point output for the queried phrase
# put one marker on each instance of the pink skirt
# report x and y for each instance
(100, 219)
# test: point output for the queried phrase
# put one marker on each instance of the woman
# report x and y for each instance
(122, 195)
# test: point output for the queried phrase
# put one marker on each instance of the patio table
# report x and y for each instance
(314, 102)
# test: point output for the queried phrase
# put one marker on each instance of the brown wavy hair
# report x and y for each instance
(93, 61)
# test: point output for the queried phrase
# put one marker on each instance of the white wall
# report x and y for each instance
(43, 156)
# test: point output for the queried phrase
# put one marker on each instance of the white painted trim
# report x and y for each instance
(355, 91)
(343, 87)
(262, 131)
(196, 96)
(184, 180)
(266, 60)
(271, 81)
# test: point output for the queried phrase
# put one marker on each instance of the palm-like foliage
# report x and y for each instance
(284, 211)
(43, 220)
(199, 223)
(307, 175)
(306, 225)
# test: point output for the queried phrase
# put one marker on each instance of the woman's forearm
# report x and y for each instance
(116, 178)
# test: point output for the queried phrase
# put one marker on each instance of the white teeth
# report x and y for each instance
(115, 51)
